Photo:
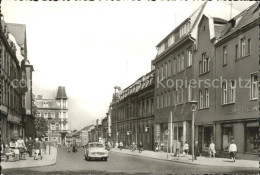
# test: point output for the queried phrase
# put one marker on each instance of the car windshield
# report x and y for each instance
(95, 145)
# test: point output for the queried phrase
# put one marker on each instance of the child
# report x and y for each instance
(233, 150)
(186, 148)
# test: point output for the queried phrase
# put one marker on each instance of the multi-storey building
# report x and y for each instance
(14, 85)
(132, 114)
(56, 111)
(81, 137)
(175, 75)
(229, 109)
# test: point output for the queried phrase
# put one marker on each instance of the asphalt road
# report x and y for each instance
(72, 163)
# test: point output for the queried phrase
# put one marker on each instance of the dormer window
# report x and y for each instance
(185, 29)
(171, 40)
(161, 48)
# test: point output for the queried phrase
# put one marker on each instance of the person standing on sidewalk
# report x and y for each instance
(178, 147)
(29, 145)
(36, 148)
(140, 147)
(13, 146)
(212, 150)
(21, 147)
(186, 148)
(121, 145)
(233, 150)
(196, 150)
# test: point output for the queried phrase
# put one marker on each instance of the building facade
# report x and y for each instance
(132, 114)
(237, 62)
(56, 111)
(14, 84)
(176, 76)
(81, 137)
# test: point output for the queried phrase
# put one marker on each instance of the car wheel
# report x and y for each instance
(105, 159)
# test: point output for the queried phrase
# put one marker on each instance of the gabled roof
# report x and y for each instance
(242, 19)
(61, 93)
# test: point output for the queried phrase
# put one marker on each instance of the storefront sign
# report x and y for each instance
(242, 110)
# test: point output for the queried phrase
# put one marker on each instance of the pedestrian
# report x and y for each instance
(233, 150)
(156, 146)
(37, 149)
(178, 147)
(29, 144)
(212, 150)
(140, 147)
(121, 145)
(41, 147)
(117, 145)
(186, 148)
(21, 146)
(196, 150)
(14, 148)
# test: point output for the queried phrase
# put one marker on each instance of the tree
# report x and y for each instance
(40, 127)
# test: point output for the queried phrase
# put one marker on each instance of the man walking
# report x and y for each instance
(178, 147)
(233, 150)
(29, 145)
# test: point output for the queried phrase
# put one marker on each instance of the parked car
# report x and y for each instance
(96, 150)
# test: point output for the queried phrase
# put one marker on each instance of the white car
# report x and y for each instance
(96, 150)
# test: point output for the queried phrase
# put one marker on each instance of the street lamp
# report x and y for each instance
(49, 119)
(193, 106)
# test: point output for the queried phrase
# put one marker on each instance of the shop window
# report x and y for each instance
(252, 137)
(227, 136)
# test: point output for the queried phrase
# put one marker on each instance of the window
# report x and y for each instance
(224, 55)
(45, 115)
(224, 93)
(152, 109)
(185, 29)
(174, 66)
(182, 62)
(52, 115)
(169, 98)
(158, 101)
(161, 103)
(178, 63)
(165, 99)
(237, 53)
(169, 68)
(189, 93)
(201, 99)
(232, 91)
(161, 72)
(166, 70)
(173, 98)
(189, 57)
(161, 48)
(243, 48)
(254, 87)
(204, 64)
(171, 40)
(249, 46)
(52, 126)
(206, 98)
(23, 101)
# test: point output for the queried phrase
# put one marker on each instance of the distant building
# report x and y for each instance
(132, 113)
(81, 137)
(56, 110)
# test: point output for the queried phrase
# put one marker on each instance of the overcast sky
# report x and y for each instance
(89, 47)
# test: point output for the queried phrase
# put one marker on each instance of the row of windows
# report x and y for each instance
(173, 66)
(182, 31)
(174, 97)
(61, 115)
(9, 97)
(7, 64)
(145, 108)
(240, 51)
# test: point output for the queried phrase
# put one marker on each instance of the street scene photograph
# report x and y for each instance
(129, 87)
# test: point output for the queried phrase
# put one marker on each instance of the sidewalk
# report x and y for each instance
(188, 159)
(30, 162)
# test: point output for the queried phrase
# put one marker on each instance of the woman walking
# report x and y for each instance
(186, 148)
(22, 148)
(233, 150)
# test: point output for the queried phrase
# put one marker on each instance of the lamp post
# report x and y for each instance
(193, 106)
(116, 88)
(49, 119)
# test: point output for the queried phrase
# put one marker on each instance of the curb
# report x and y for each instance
(54, 163)
(178, 161)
